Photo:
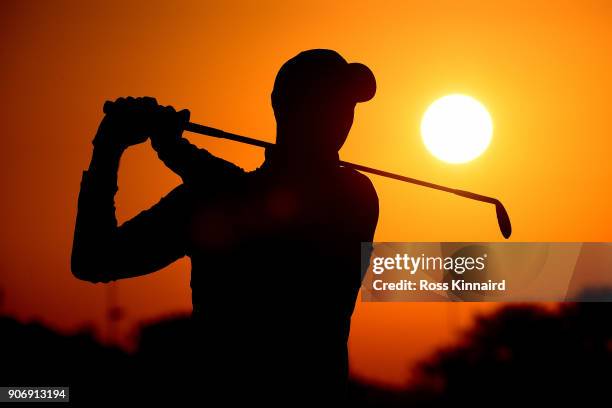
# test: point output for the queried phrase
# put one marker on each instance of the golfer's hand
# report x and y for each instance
(168, 126)
(128, 121)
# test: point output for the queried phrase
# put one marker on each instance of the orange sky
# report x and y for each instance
(543, 71)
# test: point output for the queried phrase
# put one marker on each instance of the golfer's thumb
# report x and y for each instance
(184, 115)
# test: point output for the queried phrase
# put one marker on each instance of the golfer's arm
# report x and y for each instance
(195, 166)
(103, 251)
(359, 225)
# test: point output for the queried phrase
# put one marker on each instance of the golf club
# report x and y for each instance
(502, 215)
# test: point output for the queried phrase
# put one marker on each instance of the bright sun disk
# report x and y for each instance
(456, 128)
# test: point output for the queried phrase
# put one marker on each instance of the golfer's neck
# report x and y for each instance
(301, 156)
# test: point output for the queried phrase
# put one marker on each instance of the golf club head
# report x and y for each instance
(503, 219)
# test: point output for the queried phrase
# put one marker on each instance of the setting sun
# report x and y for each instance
(456, 128)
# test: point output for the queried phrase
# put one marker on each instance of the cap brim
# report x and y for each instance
(362, 82)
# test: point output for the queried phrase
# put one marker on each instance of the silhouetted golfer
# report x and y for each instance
(275, 252)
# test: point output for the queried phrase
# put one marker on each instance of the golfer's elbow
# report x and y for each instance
(85, 273)
(86, 269)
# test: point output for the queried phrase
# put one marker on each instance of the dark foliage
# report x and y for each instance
(519, 355)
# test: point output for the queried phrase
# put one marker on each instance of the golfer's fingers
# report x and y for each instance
(184, 115)
(120, 103)
(114, 106)
(181, 116)
(140, 104)
(149, 101)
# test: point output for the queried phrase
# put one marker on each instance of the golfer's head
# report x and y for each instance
(314, 99)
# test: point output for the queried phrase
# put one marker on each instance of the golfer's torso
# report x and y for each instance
(269, 285)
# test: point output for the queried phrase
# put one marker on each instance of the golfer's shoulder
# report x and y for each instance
(358, 187)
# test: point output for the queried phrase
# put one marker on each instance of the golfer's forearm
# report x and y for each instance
(193, 164)
(96, 224)
(105, 161)
(178, 155)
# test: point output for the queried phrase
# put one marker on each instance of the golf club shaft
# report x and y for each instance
(205, 130)
(502, 215)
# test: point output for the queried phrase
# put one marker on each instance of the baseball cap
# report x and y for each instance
(319, 74)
